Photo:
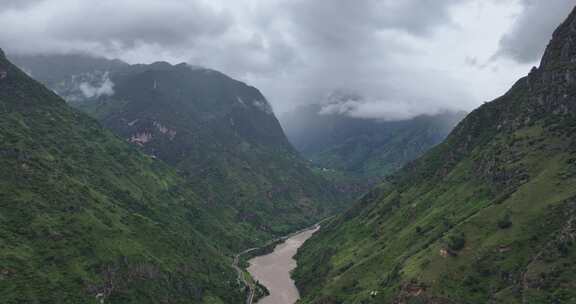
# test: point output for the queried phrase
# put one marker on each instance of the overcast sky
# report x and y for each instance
(407, 57)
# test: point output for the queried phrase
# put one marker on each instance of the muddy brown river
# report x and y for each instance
(273, 270)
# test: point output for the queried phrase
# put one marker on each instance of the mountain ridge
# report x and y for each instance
(220, 133)
(85, 217)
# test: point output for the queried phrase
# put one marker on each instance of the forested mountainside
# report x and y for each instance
(488, 216)
(86, 218)
(219, 133)
(357, 153)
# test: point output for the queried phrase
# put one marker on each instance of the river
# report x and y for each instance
(273, 270)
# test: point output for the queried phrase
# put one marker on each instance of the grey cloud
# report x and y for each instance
(342, 23)
(423, 15)
(352, 46)
(403, 93)
(295, 51)
(533, 28)
(388, 110)
(130, 22)
(16, 4)
(109, 27)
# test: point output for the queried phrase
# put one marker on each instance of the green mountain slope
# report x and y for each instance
(222, 135)
(488, 216)
(85, 217)
(358, 153)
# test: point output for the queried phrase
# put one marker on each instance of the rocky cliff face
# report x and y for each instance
(486, 216)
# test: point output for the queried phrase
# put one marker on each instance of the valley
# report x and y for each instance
(356, 154)
(137, 202)
(287, 152)
(484, 217)
(217, 132)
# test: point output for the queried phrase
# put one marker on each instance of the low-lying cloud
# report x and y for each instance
(387, 110)
(104, 88)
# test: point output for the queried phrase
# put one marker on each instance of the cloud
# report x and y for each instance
(356, 46)
(16, 4)
(404, 56)
(387, 110)
(344, 23)
(108, 27)
(105, 88)
(533, 28)
(405, 93)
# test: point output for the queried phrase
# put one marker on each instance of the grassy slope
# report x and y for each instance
(499, 194)
(82, 213)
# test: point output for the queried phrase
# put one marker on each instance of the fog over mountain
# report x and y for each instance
(407, 58)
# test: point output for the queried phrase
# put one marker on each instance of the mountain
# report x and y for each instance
(219, 133)
(488, 216)
(357, 153)
(75, 77)
(85, 217)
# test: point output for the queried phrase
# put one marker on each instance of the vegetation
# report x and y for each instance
(505, 221)
(356, 154)
(219, 133)
(485, 217)
(85, 217)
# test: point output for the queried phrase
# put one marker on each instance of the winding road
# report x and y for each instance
(242, 275)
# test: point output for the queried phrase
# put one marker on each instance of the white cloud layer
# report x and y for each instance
(105, 88)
